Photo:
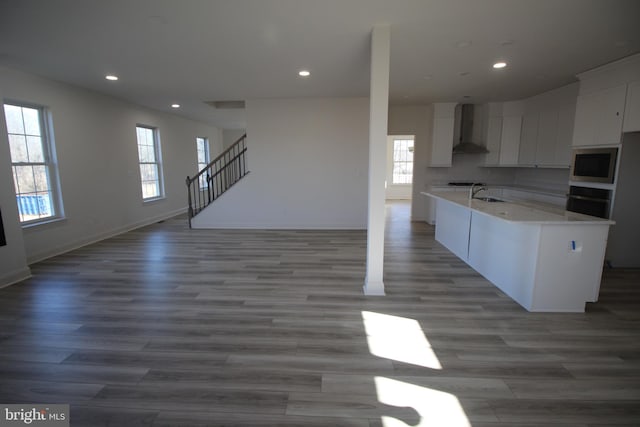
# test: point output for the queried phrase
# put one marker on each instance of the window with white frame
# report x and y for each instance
(202, 146)
(402, 161)
(150, 164)
(32, 163)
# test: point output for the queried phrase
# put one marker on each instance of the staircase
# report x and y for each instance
(217, 177)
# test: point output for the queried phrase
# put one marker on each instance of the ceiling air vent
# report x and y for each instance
(226, 105)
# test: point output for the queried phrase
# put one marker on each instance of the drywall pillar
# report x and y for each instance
(378, 115)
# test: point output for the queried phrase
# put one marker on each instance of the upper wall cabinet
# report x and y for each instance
(504, 125)
(632, 108)
(510, 140)
(442, 138)
(493, 133)
(546, 137)
(528, 139)
(566, 116)
(599, 117)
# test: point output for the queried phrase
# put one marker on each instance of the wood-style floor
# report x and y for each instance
(168, 326)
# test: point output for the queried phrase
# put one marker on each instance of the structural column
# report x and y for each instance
(378, 112)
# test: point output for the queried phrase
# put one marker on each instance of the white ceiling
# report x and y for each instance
(192, 51)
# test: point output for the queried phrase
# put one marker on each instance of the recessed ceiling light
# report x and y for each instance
(304, 73)
(175, 105)
(111, 77)
(500, 64)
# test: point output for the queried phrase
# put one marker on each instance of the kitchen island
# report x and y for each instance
(545, 258)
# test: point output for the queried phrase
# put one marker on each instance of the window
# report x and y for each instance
(202, 146)
(34, 172)
(402, 161)
(150, 166)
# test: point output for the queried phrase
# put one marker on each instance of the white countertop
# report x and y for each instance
(530, 189)
(520, 211)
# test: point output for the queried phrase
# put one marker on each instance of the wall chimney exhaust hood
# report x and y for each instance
(466, 144)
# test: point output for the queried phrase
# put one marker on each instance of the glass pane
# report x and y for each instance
(26, 183)
(15, 180)
(13, 115)
(148, 172)
(150, 189)
(402, 161)
(41, 178)
(201, 158)
(143, 172)
(31, 121)
(34, 145)
(143, 153)
(28, 206)
(151, 154)
(45, 206)
(142, 135)
(18, 146)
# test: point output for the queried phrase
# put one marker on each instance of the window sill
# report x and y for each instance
(45, 222)
(153, 200)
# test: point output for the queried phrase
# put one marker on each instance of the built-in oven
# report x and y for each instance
(589, 201)
(594, 165)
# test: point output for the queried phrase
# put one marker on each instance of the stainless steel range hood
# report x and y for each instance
(466, 144)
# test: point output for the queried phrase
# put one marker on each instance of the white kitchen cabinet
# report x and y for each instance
(562, 155)
(528, 140)
(494, 136)
(544, 261)
(510, 140)
(452, 229)
(547, 138)
(632, 108)
(442, 137)
(431, 203)
(493, 133)
(599, 115)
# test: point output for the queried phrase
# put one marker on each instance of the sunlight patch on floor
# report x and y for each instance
(436, 408)
(398, 338)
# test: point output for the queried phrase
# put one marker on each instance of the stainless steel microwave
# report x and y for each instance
(594, 165)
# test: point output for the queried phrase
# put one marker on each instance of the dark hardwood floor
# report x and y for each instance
(168, 326)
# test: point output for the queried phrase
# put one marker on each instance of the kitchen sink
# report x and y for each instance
(488, 199)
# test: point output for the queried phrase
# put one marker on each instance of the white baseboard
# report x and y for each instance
(269, 226)
(15, 277)
(102, 236)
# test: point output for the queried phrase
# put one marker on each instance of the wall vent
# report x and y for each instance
(226, 105)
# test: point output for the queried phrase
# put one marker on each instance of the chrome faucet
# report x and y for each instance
(475, 189)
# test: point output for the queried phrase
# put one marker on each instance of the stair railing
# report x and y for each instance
(217, 177)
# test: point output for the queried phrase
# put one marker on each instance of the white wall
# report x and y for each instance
(308, 162)
(229, 136)
(551, 179)
(95, 141)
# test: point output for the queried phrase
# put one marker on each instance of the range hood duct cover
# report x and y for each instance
(466, 146)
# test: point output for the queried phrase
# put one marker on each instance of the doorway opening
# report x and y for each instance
(399, 180)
